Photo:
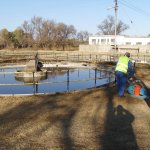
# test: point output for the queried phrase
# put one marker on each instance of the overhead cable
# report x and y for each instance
(138, 10)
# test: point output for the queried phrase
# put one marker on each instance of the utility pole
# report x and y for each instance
(116, 9)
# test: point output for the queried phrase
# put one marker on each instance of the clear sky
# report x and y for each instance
(83, 14)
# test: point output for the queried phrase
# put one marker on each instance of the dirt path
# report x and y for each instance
(91, 119)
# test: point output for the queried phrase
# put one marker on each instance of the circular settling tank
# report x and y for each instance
(57, 79)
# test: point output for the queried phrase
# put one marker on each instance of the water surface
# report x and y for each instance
(57, 81)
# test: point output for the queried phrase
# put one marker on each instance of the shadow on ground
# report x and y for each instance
(118, 133)
(68, 121)
(52, 110)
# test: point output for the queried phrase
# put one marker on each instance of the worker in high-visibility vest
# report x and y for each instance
(124, 70)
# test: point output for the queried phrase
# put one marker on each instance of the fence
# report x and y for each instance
(107, 75)
(49, 56)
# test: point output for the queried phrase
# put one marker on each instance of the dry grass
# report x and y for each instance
(91, 119)
(143, 72)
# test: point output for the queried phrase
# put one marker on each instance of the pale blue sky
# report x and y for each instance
(83, 14)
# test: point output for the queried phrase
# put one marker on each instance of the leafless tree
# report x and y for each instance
(107, 27)
(83, 36)
(63, 34)
(48, 33)
(29, 33)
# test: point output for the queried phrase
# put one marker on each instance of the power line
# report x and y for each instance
(132, 23)
(131, 20)
(131, 6)
(138, 10)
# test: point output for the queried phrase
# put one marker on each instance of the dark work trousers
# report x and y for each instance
(121, 79)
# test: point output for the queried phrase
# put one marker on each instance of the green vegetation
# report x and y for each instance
(43, 34)
(39, 33)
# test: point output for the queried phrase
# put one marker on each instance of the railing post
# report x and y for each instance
(68, 80)
(33, 84)
(95, 76)
(36, 87)
(109, 77)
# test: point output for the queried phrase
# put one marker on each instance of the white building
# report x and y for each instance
(120, 40)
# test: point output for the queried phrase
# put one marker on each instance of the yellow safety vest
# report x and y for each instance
(122, 64)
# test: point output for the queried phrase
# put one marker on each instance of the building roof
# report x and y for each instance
(126, 36)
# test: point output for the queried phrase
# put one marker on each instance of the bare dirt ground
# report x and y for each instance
(143, 72)
(91, 120)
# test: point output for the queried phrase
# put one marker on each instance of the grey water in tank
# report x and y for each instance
(57, 81)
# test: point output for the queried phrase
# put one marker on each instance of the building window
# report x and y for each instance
(128, 43)
(148, 43)
(103, 41)
(112, 40)
(94, 41)
(138, 43)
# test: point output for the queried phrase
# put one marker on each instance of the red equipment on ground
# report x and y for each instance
(137, 89)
